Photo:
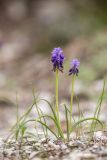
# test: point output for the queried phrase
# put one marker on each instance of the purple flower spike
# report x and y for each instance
(74, 70)
(57, 59)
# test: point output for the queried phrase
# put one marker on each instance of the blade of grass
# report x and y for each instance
(88, 119)
(56, 124)
(98, 107)
(55, 118)
(80, 117)
(69, 114)
(54, 114)
(67, 122)
(37, 108)
(31, 134)
(48, 129)
(46, 134)
(24, 115)
(52, 118)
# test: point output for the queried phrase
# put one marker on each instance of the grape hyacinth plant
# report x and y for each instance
(74, 72)
(57, 59)
(20, 128)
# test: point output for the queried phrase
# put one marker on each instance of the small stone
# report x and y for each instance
(102, 154)
(1, 141)
(31, 140)
(87, 156)
(97, 135)
(95, 146)
(104, 140)
(74, 155)
(80, 144)
(73, 136)
(57, 147)
(51, 157)
(45, 145)
(6, 158)
(33, 154)
(43, 140)
(37, 144)
(10, 151)
(28, 149)
(67, 151)
(63, 147)
(72, 144)
(1, 156)
(51, 144)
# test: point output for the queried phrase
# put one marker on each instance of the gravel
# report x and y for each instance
(38, 149)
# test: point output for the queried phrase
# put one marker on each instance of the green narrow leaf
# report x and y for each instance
(31, 134)
(54, 114)
(98, 108)
(56, 125)
(24, 115)
(88, 119)
(67, 121)
(48, 128)
(44, 122)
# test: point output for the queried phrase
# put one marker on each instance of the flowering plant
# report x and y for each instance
(57, 59)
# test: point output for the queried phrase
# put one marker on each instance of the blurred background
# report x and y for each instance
(29, 30)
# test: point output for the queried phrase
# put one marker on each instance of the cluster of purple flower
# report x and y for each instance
(58, 59)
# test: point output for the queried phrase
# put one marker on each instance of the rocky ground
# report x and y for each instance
(41, 148)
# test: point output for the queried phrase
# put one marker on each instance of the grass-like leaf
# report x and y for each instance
(48, 128)
(67, 121)
(98, 108)
(56, 125)
(88, 119)
(51, 107)
(55, 118)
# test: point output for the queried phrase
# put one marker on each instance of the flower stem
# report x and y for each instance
(71, 101)
(17, 108)
(56, 93)
(60, 132)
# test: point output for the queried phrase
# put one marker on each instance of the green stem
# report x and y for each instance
(17, 119)
(17, 108)
(60, 132)
(71, 102)
(56, 93)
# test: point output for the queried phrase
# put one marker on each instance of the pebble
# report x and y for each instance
(63, 147)
(72, 144)
(73, 136)
(51, 144)
(87, 156)
(10, 150)
(80, 144)
(74, 155)
(31, 140)
(46, 145)
(28, 149)
(100, 137)
(1, 156)
(57, 147)
(33, 154)
(103, 154)
(38, 144)
(43, 140)
(36, 158)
